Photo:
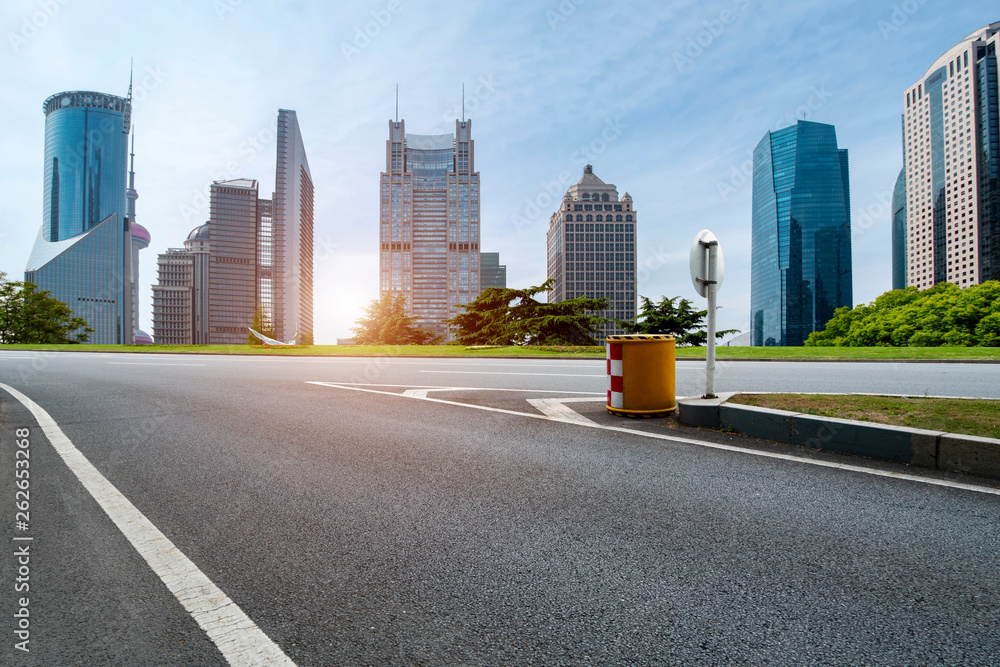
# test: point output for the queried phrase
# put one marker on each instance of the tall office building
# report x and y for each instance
(491, 272)
(232, 261)
(951, 148)
(801, 239)
(289, 278)
(899, 231)
(180, 297)
(591, 248)
(83, 253)
(251, 252)
(429, 222)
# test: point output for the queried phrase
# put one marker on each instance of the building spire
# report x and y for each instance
(127, 124)
(131, 195)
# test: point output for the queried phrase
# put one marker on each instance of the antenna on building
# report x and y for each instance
(463, 102)
(397, 102)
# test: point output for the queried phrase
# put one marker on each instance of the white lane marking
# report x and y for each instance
(147, 363)
(554, 408)
(241, 642)
(562, 375)
(710, 445)
(438, 387)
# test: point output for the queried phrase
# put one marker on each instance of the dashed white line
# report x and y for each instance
(241, 642)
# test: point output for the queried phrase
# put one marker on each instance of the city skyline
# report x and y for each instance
(664, 97)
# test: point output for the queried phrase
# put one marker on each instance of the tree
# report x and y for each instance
(944, 314)
(681, 321)
(385, 322)
(505, 316)
(30, 316)
(262, 324)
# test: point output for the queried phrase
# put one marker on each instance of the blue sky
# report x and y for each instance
(665, 99)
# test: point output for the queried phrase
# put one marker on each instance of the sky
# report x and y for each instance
(666, 100)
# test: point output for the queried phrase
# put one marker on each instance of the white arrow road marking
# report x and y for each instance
(555, 408)
(241, 642)
(688, 441)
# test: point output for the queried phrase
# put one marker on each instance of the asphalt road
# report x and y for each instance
(357, 528)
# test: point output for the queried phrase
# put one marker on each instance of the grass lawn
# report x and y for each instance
(722, 353)
(954, 415)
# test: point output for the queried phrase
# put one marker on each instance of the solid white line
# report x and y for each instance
(241, 642)
(710, 445)
(147, 363)
(440, 388)
(562, 375)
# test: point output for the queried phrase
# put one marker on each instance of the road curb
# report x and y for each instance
(936, 450)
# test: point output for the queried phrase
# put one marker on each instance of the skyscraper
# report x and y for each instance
(232, 261)
(591, 248)
(83, 253)
(291, 278)
(899, 231)
(251, 252)
(951, 148)
(801, 239)
(429, 231)
(491, 272)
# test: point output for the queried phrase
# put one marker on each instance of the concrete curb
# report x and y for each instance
(927, 449)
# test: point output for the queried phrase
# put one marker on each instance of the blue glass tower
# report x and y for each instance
(83, 253)
(899, 232)
(801, 245)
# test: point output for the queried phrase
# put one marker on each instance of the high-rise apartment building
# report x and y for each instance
(491, 272)
(429, 222)
(951, 151)
(591, 248)
(801, 267)
(83, 253)
(291, 222)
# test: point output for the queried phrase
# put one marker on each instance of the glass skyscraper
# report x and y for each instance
(899, 232)
(429, 222)
(801, 240)
(591, 248)
(951, 149)
(83, 253)
(491, 272)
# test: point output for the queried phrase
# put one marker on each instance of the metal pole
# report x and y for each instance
(713, 287)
